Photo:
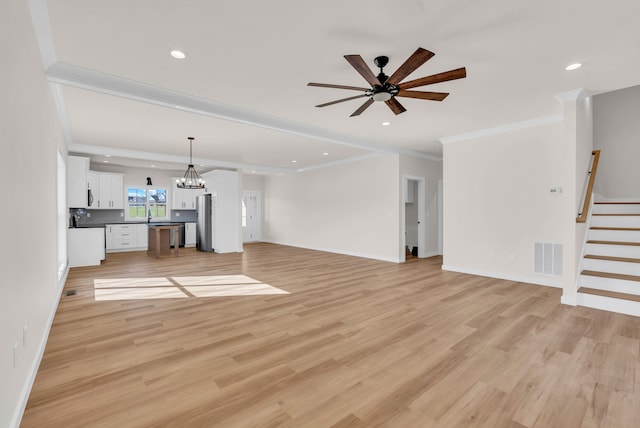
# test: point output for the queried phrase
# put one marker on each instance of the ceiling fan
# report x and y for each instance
(387, 88)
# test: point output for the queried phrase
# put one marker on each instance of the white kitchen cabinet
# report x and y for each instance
(184, 199)
(77, 181)
(181, 199)
(142, 236)
(110, 192)
(189, 234)
(86, 246)
(126, 237)
(107, 190)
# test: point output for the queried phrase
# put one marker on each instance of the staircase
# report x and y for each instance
(610, 278)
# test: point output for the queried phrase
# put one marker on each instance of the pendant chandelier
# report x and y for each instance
(191, 179)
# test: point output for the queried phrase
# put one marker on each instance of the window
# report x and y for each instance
(145, 201)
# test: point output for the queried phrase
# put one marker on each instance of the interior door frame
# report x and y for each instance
(422, 236)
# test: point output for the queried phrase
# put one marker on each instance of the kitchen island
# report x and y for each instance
(160, 239)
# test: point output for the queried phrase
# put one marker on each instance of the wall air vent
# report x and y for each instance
(547, 258)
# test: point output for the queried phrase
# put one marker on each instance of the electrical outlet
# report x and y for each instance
(122, 214)
(24, 336)
(88, 215)
(15, 355)
(177, 214)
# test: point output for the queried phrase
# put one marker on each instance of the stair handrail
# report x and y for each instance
(583, 214)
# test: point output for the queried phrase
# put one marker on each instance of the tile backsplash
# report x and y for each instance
(101, 217)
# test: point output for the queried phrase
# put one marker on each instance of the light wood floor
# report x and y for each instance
(356, 343)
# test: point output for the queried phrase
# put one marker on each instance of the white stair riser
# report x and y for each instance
(629, 251)
(614, 235)
(609, 266)
(609, 284)
(616, 209)
(615, 221)
(611, 304)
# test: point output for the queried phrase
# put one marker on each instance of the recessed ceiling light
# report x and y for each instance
(105, 161)
(178, 54)
(294, 161)
(575, 66)
(108, 156)
(152, 166)
(325, 154)
(386, 123)
(253, 172)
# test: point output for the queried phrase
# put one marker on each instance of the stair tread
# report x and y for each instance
(615, 228)
(604, 293)
(611, 275)
(612, 259)
(614, 243)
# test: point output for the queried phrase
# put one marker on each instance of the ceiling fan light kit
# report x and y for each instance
(387, 88)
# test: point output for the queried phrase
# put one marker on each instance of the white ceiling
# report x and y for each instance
(241, 91)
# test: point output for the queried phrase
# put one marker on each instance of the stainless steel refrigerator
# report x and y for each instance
(204, 222)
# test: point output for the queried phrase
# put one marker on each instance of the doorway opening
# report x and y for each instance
(413, 233)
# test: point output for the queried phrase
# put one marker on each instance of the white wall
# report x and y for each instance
(576, 154)
(349, 208)
(30, 136)
(432, 172)
(253, 182)
(497, 201)
(227, 227)
(617, 134)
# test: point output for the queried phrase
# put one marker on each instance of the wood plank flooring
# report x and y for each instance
(355, 343)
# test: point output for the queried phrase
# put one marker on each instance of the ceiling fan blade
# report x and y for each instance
(395, 106)
(363, 107)
(328, 85)
(361, 67)
(433, 96)
(419, 57)
(458, 73)
(341, 100)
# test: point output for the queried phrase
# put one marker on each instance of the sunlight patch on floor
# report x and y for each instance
(182, 287)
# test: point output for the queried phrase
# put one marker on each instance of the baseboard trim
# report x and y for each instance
(26, 390)
(569, 300)
(336, 251)
(430, 254)
(509, 277)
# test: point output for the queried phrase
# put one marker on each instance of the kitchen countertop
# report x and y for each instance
(158, 223)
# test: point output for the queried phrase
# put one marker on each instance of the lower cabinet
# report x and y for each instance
(86, 246)
(189, 234)
(126, 237)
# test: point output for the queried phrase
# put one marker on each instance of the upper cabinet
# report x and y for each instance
(77, 182)
(184, 199)
(106, 190)
(92, 189)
